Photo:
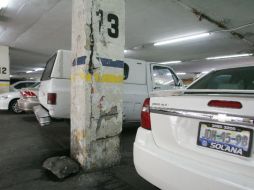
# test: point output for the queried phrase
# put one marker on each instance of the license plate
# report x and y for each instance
(230, 139)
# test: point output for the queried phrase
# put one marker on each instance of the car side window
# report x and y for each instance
(46, 75)
(24, 85)
(125, 71)
(163, 78)
(20, 85)
(35, 85)
(30, 84)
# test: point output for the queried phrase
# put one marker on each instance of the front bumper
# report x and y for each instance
(167, 170)
(27, 105)
(4, 104)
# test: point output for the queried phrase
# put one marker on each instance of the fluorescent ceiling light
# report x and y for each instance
(29, 71)
(181, 73)
(3, 3)
(39, 69)
(229, 56)
(125, 51)
(170, 62)
(175, 40)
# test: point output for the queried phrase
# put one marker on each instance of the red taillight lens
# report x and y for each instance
(225, 104)
(145, 115)
(52, 98)
(28, 94)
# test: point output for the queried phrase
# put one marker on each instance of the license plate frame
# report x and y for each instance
(222, 146)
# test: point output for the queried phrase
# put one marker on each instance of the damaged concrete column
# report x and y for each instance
(98, 38)
(4, 69)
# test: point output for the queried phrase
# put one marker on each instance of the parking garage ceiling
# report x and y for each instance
(35, 29)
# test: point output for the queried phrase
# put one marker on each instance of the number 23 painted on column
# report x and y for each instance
(113, 32)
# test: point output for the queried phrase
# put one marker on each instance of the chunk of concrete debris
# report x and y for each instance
(61, 166)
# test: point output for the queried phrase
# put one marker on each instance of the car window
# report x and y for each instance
(35, 85)
(233, 79)
(49, 67)
(20, 85)
(24, 85)
(163, 78)
(126, 71)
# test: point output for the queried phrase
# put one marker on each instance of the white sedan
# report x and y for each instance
(8, 101)
(202, 137)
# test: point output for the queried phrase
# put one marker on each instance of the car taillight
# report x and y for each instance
(28, 94)
(51, 98)
(225, 104)
(145, 115)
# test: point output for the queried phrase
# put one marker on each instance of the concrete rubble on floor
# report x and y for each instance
(61, 166)
(25, 146)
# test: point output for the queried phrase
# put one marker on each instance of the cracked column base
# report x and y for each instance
(102, 153)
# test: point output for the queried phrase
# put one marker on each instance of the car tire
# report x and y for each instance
(13, 107)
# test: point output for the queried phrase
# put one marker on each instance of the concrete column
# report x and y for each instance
(98, 38)
(4, 69)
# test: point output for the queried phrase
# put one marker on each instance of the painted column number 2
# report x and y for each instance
(3, 70)
(113, 31)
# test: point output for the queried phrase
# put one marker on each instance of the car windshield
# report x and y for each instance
(231, 79)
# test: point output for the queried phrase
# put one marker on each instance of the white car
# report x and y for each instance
(22, 84)
(140, 80)
(8, 101)
(202, 137)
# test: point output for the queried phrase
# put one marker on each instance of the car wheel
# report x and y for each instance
(14, 107)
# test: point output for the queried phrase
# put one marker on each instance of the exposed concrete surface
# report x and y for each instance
(98, 28)
(61, 166)
(24, 147)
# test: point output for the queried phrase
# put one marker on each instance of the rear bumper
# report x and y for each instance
(167, 170)
(27, 105)
(57, 111)
(42, 115)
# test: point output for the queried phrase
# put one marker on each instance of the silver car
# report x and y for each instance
(28, 98)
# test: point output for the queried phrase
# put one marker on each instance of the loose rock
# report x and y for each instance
(62, 166)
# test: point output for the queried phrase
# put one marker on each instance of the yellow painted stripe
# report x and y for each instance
(105, 78)
(4, 84)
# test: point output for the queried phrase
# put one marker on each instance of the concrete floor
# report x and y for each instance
(24, 146)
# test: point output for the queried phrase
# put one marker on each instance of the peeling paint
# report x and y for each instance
(77, 137)
(97, 84)
(113, 113)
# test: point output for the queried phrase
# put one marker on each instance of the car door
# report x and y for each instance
(164, 78)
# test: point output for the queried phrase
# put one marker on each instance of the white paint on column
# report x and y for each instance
(97, 81)
(4, 69)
